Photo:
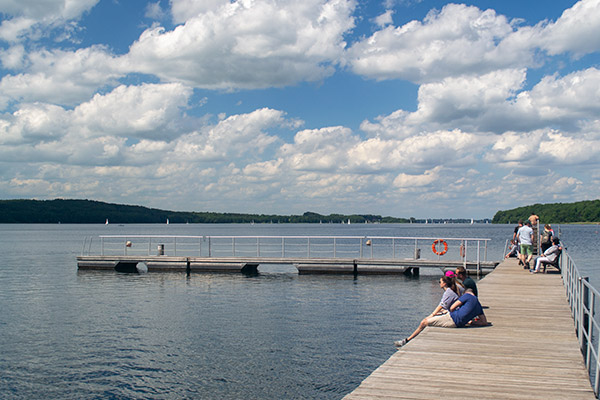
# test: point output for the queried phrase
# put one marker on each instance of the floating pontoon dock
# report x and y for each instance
(309, 254)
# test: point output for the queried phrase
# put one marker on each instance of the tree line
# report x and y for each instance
(582, 211)
(95, 212)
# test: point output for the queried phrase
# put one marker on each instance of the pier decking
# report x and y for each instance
(530, 352)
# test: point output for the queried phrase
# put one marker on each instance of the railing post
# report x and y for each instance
(282, 247)
(585, 322)
(209, 247)
(308, 245)
(478, 259)
(360, 252)
(257, 247)
(334, 247)
(485, 251)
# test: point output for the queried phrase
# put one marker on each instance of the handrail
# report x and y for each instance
(370, 247)
(582, 298)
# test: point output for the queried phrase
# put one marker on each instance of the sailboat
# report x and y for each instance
(106, 223)
(167, 221)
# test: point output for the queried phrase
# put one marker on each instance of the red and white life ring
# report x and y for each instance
(434, 247)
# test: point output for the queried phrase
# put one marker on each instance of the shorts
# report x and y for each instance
(526, 249)
(443, 321)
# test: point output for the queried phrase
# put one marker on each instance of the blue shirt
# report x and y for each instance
(469, 309)
(448, 298)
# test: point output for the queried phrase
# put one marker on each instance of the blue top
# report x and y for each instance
(448, 298)
(469, 309)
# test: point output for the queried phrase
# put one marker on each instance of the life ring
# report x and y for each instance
(433, 247)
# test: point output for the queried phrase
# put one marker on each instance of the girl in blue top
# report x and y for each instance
(448, 284)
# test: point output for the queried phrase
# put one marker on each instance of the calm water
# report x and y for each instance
(70, 335)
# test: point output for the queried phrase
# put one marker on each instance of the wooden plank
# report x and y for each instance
(530, 352)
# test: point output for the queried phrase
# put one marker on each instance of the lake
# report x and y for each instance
(73, 334)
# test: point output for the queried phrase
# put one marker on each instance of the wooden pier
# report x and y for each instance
(530, 352)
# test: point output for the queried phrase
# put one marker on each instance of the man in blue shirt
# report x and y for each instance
(464, 310)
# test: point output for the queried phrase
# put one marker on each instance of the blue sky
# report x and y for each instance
(423, 109)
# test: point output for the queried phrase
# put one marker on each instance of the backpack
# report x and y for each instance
(546, 236)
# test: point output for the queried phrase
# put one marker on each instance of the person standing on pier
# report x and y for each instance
(525, 235)
(546, 238)
(466, 310)
(515, 237)
(533, 219)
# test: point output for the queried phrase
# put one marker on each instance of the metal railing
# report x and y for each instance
(369, 247)
(582, 297)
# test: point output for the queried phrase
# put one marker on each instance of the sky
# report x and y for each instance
(404, 108)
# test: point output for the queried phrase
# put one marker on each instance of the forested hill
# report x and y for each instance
(581, 211)
(94, 212)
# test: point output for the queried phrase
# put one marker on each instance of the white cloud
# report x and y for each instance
(322, 149)
(406, 181)
(145, 111)
(456, 40)
(248, 44)
(385, 18)
(577, 30)
(568, 99)
(27, 15)
(183, 10)
(56, 76)
(235, 136)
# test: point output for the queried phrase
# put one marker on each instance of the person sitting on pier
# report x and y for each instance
(467, 283)
(465, 311)
(451, 291)
(514, 250)
(549, 255)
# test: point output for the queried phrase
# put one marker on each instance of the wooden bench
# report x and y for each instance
(555, 263)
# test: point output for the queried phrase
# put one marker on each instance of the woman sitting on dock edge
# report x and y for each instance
(465, 311)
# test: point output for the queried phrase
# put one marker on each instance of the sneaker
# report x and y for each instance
(527, 265)
(400, 343)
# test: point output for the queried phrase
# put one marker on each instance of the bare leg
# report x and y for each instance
(422, 326)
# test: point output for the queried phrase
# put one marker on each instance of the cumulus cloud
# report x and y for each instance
(182, 10)
(57, 76)
(147, 111)
(410, 181)
(95, 131)
(577, 30)
(247, 44)
(26, 16)
(458, 39)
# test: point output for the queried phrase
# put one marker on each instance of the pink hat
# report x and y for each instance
(450, 274)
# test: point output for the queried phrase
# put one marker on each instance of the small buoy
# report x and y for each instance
(368, 243)
(141, 267)
(128, 244)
